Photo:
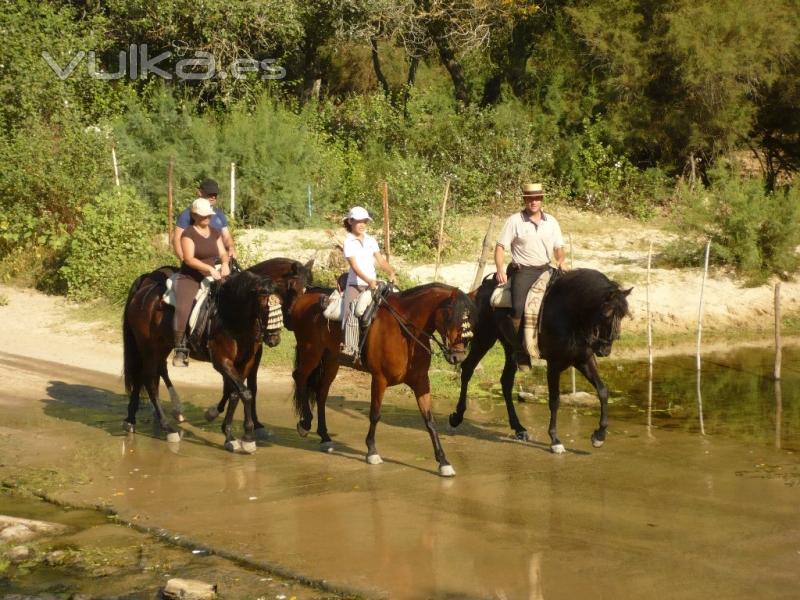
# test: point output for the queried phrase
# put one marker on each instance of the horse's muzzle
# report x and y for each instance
(602, 350)
(455, 357)
(272, 338)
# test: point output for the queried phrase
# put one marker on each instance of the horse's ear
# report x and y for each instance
(309, 265)
(626, 292)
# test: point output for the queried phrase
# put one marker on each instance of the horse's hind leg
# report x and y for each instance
(481, 344)
(554, 399)
(422, 390)
(589, 370)
(174, 398)
(151, 379)
(507, 385)
(129, 424)
(330, 367)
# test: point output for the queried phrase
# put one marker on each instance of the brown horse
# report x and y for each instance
(290, 278)
(246, 312)
(397, 350)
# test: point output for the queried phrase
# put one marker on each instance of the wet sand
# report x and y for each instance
(653, 513)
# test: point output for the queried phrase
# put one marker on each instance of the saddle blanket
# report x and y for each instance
(334, 305)
(501, 298)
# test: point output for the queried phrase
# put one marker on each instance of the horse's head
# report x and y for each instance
(455, 322)
(607, 323)
(270, 313)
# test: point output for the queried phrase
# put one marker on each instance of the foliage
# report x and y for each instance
(750, 229)
(111, 247)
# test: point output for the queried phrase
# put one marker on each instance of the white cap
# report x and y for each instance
(202, 207)
(358, 213)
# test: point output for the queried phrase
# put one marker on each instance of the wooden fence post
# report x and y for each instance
(386, 243)
(441, 229)
(778, 351)
(170, 220)
(485, 249)
(700, 308)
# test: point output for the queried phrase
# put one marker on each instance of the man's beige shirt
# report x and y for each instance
(531, 244)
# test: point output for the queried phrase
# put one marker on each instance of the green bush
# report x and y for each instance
(750, 229)
(112, 246)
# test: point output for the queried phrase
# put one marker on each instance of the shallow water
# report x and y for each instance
(738, 396)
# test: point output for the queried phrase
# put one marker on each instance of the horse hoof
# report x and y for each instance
(173, 437)
(211, 413)
(597, 443)
(248, 447)
(178, 416)
(447, 471)
(262, 433)
(326, 447)
(233, 445)
(374, 459)
(558, 448)
(454, 420)
(301, 430)
(129, 427)
(522, 436)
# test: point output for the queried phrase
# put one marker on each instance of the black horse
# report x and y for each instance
(246, 313)
(580, 319)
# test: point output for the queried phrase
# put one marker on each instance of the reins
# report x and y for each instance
(404, 325)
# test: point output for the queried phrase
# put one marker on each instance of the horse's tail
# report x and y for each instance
(132, 360)
(308, 394)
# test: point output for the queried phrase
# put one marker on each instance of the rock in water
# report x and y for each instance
(189, 589)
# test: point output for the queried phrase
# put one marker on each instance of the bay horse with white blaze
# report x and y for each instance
(397, 350)
(580, 319)
(246, 312)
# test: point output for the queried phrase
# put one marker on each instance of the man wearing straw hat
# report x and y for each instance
(535, 240)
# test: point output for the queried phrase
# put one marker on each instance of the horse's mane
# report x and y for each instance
(237, 302)
(462, 305)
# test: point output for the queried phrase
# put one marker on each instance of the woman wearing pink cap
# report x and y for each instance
(361, 252)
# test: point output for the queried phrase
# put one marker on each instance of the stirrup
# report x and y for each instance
(181, 357)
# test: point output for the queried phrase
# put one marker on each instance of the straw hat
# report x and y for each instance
(532, 189)
(202, 207)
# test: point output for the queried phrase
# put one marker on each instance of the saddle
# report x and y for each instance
(358, 326)
(534, 301)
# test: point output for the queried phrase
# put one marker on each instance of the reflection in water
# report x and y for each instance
(737, 396)
(700, 405)
(650, 399)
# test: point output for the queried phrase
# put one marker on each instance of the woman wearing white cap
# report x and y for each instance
(202, 247)
(361, 252)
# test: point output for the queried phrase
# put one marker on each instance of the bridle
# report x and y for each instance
(274, 321)
(464, 333)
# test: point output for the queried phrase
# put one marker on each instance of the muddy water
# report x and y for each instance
(661, 510)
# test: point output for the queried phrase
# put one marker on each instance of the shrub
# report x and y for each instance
(111, 247)
(750, 229)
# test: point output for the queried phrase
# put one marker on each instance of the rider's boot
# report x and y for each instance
(181, 356)
(510, 328)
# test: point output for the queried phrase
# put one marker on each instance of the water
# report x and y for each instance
(738, 396)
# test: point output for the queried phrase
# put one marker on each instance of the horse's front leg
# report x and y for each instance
(378, 389)
(477, 350)
(589, 370)
(226, 367)
(507, 385)
(422, 390)
(212, 412)
(262, 433)
(554, 399)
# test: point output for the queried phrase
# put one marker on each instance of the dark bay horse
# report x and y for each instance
(290, 278)
(247, 312)
(580, 319)
(397, 350)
